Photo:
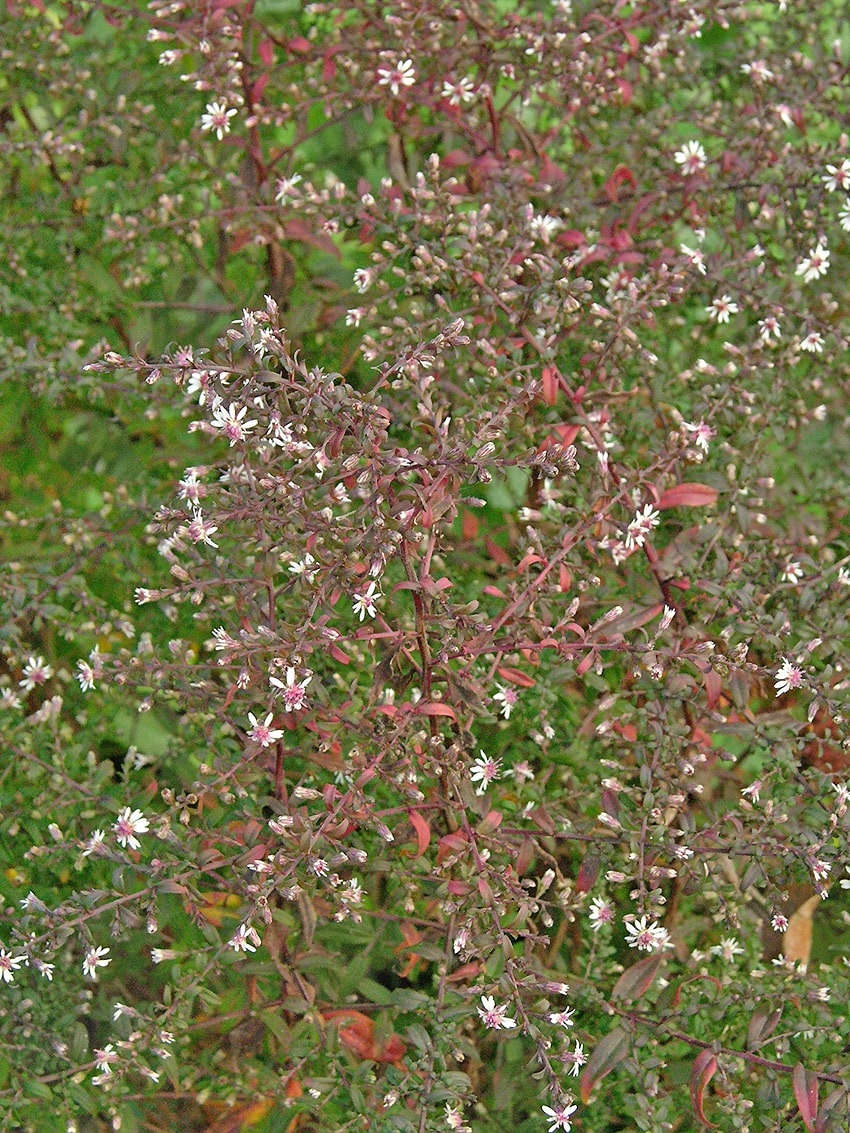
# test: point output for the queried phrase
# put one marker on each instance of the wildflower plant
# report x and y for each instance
(425, 616)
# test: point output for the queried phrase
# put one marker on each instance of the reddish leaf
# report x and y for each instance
(338, 654)
(607, 1054)
(469, 524)
(687, 495)
(525, 857)
(702, 1071)
(677, 995)
(806, 1093)
(713, 685)
(516, 677)
(565, 579)
(265, 50)
(585, 663)
(357, 1033)
(435, 708)
(422, 829)
(300, 44)
(637, 980)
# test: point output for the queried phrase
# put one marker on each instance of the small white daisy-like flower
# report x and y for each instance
(105, 1057)
(844, 215)
(493, 1016)
(263, 733)
(838, 177)
(484, 771)
(245, 939)
(364, 603)
(85, 675)
(217, 117)
(815, 264)
(397, 75)
(758, 71)
(779, 922)
(559, 1117)
(754, 790)
(769, 326)
(285, 185)
(694, 257)
(647, 936)
(128, 825)
(9, 964)
(691, 157)
(645, 520)
(577, 1057)
(562, 1018)
(788, 676)
(728, 949)
(462, 90)
(292, 691)
(601, 912)
(700, 434)
(812, 343)
(508, 698)
(792, 572)
(231, 421)
(95, 957)
(721, 308)
(35, 673)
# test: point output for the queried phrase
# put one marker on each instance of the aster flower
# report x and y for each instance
(128, 825)
(245, 939)
(562, 1018)
(812, 343)
(9, 964)
(484, 771)
(231, 421)
(95, 958)
(105, 1057)
(217, 117)
(462, 90)
(508, 698)
(263, 733)
(645, 520)
(647, 936)
(721, 308)
(815, 264)
(728, 949)
(576, 1057)
(397, 75)
(601, 912)
(559, 1117)
(691, 157)
(493, 1016)
(35, 672)
(364, 603)
(837, 177)
(292, 691)
(788, 676)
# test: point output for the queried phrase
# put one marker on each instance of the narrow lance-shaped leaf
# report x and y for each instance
(702, 1071)
(607, 1054)
(806, 1093)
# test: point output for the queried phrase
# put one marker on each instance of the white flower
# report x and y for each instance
(601, 912)
(728, 948)
(457, 92)
(397, 75)
(508, 698)
(644, 521)
(695, 258)
(812, 343)
(293, 692)
(35, 672)
(217, 118)
(815, 264)
(788, 676)
(562, 1018)
(231, 422)
(128, 825)
(792, 572)
(245, 939)
(94, 844)
(844, 215)
(95, 958)
(493, 1016)
(264, 734)
(285, 186)
(647, 936)
(691, 157)
(838, 177)
(721, 308)
(559, 1117)
(104, 1058)
(364, 603)
(9, 964)
(486, 770)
